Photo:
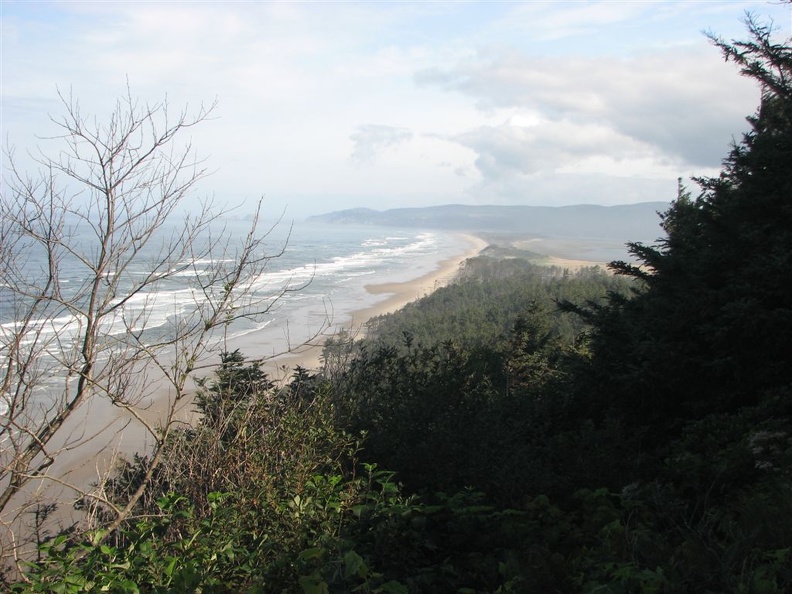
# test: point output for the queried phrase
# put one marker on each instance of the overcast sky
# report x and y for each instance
(331, 105)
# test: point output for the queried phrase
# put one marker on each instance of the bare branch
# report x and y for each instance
(109, 300)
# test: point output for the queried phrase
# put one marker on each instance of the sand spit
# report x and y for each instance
(101, 432)
(397, 295)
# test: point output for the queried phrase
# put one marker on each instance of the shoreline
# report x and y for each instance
(117, 434)
(98, 435)
(396, 295)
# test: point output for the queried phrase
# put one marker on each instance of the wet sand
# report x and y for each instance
(85, 459)
(395, 296)
(100, 432)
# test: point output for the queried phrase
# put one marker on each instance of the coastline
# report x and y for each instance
(115, 431)
(100, 433)
(116, 434)
(572, 264)
(396, 295)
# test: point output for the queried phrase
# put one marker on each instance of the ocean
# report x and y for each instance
(327, 266)
(331, 265)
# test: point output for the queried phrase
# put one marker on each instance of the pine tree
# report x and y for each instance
(711, 329)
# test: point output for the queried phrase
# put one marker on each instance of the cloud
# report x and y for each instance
(543, 23)
(369, 140)
(511, 99)
(549, 162)
(686, 104)
(513, 149)
(562, 189)
(566, 129)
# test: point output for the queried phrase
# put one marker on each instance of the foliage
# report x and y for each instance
(86, 245)
(482, 308)
(490, 354)
(340, 535)
(712, 328)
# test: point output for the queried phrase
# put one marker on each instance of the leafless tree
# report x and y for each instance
(79, 347)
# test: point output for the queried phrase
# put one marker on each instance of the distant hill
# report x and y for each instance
(632, 222)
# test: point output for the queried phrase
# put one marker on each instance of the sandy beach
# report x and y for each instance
(99, 433)
(394, 296)
(571, 264)
(116, 433)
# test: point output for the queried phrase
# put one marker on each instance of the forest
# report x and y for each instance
(524, 429)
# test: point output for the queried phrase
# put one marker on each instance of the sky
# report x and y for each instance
(324, 105)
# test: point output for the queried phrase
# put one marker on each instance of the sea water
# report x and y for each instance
(315, 276)
(329, 266)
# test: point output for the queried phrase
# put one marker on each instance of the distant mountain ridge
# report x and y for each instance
(630, 222)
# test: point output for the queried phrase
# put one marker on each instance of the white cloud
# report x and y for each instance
(493, 101)
(370, 140)
(574, 20)
(546, 146)
(687, 105)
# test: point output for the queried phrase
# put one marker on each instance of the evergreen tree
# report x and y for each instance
(712, 327)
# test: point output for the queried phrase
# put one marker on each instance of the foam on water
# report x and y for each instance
(321, 272)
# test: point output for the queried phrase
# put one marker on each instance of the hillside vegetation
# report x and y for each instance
(525, 429)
